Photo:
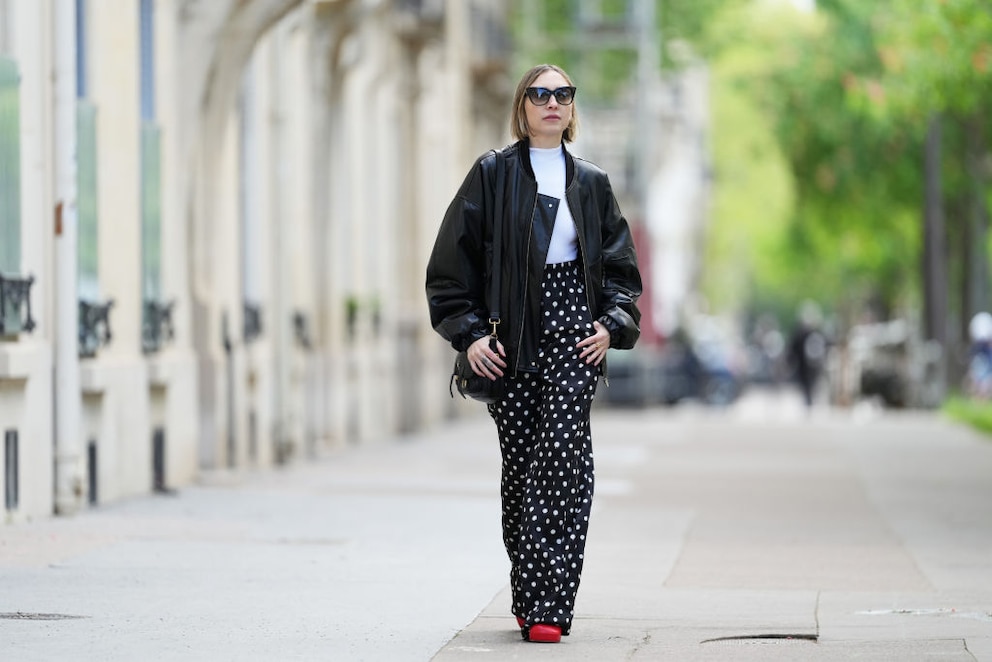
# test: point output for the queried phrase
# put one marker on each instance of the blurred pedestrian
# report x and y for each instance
(979, 378)
(808, 350)
(569, 288)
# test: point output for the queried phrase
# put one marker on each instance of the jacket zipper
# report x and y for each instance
(523, 303)
(585, 277)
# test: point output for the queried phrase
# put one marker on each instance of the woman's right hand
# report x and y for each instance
(484, 361)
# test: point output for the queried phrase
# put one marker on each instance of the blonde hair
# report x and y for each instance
(518, 120)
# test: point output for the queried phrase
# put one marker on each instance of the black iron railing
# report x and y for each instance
(156, 326)
(94, 326)
(252, 321)
(418, 20)
(301, 330)
(15, 304)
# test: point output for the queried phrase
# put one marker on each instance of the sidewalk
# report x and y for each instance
(380, 553)
(840, 536)
(833, 537)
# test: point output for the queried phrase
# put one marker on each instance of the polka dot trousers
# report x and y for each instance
(547, 473)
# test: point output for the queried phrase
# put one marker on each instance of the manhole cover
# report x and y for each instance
(28, 616)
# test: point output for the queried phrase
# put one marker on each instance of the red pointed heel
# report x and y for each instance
(520, 622)
(544, 634)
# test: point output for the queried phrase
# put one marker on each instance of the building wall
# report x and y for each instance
(26, 360)
(26, 408)
(308, 151)
(173, 384)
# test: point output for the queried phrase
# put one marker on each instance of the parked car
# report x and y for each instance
(676, 372)
(890, 361)
(701, 371)
(634, 379)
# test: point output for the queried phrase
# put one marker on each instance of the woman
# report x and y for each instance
(569, 286)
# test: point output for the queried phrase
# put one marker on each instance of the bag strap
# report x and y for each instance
(497, 266)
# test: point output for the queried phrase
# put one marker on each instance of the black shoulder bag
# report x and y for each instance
(469, 384)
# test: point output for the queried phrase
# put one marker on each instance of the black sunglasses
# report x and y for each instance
(540, 96)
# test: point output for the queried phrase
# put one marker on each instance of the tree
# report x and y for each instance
(938, 60)
(849, 240)
(603, 51)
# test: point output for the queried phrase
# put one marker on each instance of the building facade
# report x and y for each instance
(214, 221)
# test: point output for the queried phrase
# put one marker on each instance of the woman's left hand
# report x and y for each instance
(593, 349)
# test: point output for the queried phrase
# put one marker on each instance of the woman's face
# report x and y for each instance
(547, 123)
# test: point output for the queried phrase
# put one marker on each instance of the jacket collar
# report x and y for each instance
(523, 149)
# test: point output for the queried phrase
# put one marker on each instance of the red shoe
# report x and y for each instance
(520, 622)
(544, 634)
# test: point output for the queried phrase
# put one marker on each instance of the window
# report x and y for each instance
(82, 61)
(11, 470)
(147, 27)
(248, 173)
(94, 315)
(151, 211)
(10, 168)
(92, 475)
(15, 291)
(86, 175)
(86, 209)
(151, 189)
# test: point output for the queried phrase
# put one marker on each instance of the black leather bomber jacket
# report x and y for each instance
(457, 273)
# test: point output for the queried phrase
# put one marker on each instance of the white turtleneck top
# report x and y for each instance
(549, 169)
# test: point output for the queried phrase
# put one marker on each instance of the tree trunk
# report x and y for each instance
(976, 292)
(935, 286)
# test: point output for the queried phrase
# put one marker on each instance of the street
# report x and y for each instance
(759, 532)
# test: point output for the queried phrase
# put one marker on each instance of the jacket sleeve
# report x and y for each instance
(621, 277)
(457, 267)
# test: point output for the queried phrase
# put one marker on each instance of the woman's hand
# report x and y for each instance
(484, 361)
(594, 347)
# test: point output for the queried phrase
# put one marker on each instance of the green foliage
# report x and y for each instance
(605, 71)
(975, 413)
(937, 55)
(690, 21)
(850, 236)
(937, 61)
(817, 134)
(754, 192)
